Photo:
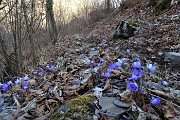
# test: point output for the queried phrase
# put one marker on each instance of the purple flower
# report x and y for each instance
(128, 50)
(90, 63)
(18, 81)
(41, 73)
(165, 83)
(35, 72)
(9, 83)
(113, 67)
(26, 85)
(119, 63)
(102, 60)
(95, 64)
(151, 67)
(108, 74)
(99, 71)
(48, 67)
(41, 69)
(5, 87)
(137, 72)
(53, 68)
(109, 63)
(155, 101)
(107, 50)
(133, 87)
(136, 75)
(136, 64)
(25, 78)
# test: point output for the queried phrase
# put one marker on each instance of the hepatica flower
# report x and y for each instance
(51, 68)
(35, 72)
(136, 65)
(26, 85)
(136, 74)
(119, 63)
(128, 50)
(151, 68)
(9, 83)
(99, 71)
(155, 101)
(133, 87)
(5, 87)
(41, 69)
(102, 60)
(48, 67)
(165, 83)
(18, 80)
(25, 78)
(113, 67)
(107, 74)
(90, 64)
(109, 63)
(41, 73)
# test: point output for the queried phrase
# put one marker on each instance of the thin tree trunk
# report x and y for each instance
(51, 21)
(30, 33)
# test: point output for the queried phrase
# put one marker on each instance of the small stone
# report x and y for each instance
(173, 58)
(177, 93)
(122, 104)
(154, 86)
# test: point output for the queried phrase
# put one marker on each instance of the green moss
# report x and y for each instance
(162, 5)
(78, 109)
(132, 22)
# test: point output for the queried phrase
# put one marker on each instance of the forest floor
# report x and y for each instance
(87, 76)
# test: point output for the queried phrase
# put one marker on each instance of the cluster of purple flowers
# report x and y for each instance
(5, 86)
(51, 68)
(137, 73)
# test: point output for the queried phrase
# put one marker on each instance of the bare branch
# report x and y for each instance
(9, 10)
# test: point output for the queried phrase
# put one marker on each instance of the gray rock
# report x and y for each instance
(126, 29)
(177, 93)
(1, 99)
(93, 53)
(173, 58)
(120, 103)
(108, 106)
(154, 86)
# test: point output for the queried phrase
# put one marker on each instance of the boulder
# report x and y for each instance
(173, 58)
(126, 29)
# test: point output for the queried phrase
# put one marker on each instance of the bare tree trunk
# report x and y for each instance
(30, 33)
(108, 6)
(51, 21)
(6, 56)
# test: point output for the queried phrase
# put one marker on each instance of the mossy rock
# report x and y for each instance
(126, 29)
(79, 109)
(162, 5)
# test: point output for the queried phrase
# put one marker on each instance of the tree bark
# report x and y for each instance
(51, 21)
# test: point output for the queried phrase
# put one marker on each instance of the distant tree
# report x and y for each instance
(51, 20)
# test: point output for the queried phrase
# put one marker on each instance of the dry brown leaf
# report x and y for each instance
(127, 96)
(40, 110)
(159, 93)
(107, 85)
(116, 72)
(31, 96)
(170, 113)
(32, 82)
